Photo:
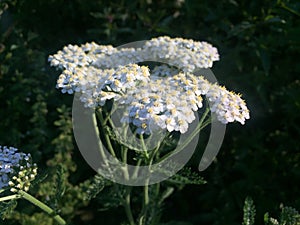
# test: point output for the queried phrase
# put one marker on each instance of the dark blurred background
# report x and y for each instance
(259, 43)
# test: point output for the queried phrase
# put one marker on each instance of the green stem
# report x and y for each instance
(100, 147)
(146, 187)
(155, 151)
(109, 114)
(143, 216)
(128, 207)
(126, 202)
(146, 199)
(145, 150)
(42, 206)
(199, 127)
(157, 189)
(106, 136)
(157, 206)
(10, 197)
(136, 169)
(146, 195)
(289, 9)
(135, 172)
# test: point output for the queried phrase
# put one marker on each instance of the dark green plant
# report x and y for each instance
(288, 215)
(258, 40)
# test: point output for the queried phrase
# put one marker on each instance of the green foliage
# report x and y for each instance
(95, 186)
(259, 46)
(187, 176)
(60, 186)
(288, 215)
(6, 208)
(36, 218)
(249, 212)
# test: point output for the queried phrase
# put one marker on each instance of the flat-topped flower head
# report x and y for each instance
(228, 106)
(164, 97)
(16, 169)
(170, 102)
(83, 62)
(185, 54)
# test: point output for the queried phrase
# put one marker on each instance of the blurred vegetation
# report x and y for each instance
(259, 44)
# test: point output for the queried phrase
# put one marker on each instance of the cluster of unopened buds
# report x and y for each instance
(16, 169)
(167, 96)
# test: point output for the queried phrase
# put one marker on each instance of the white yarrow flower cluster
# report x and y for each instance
(162, 102)
(228, 106)
(182, 53)
(16, 169)
(163, 98)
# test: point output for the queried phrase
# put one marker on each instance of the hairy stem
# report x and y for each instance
(143, 215)
(42, 206)
(10, 197)
(199, 127)
(106, 136)
(127, 206)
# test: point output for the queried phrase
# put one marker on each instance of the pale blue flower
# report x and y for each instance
(15, 164)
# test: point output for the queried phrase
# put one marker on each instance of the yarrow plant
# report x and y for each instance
(166, 97)
(17, 171)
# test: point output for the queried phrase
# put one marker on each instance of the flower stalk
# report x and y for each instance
(9, 197)
(162, 98)
(42, 206)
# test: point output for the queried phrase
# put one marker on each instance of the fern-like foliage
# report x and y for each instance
(249, 212)
(289, 216)
(95, 187)
(60, 186)
(187, 176)
(111, 197)
(156, 203)
(6, 208)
